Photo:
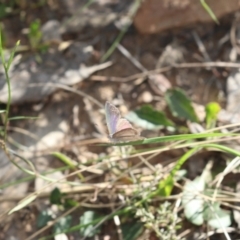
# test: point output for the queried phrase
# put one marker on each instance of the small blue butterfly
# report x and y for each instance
(119, 128)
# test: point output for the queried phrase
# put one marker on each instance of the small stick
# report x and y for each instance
(129, 56)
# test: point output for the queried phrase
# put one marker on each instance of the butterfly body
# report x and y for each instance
(119, 128)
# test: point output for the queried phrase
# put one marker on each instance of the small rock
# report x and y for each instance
(146, 97)
(155, 16)
(51, 31)
(31, 81)
(105, 92)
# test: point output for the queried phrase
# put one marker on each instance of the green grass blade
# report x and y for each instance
(25, 202)
(223, 149)
(122, 33)
(12, 55)
(165, 186)
(180, 137)
(68, 161)
(209, 10)
(22, 117)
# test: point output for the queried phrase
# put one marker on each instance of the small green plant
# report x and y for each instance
(35, 34)
(180, 107)
(212, 109)
(163, 220)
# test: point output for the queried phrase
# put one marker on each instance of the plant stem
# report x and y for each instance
(6, 66)
(8, 102)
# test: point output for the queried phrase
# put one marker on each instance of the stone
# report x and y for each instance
(155, 16)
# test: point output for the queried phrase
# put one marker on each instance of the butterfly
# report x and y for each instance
(119, 128)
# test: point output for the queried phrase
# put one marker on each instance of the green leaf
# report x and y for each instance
(35, 27)
(43, 218)
(180, 105)
(87, 218)
(165, 186)
(148, 118)
(63, 224)
(68, 203)
(193, 202)
(217, 217)
(35, 34)
(212, 109)
(55, 196)
(131, 230)
(26, 201)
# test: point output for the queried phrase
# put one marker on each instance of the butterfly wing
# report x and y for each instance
(112, 117)
(127, 134)
(122, 124)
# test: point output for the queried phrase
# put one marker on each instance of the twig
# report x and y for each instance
(132, 13)
(175, 217)
(118, 223)
(146, 162)
(207, 58)
(70, 89)
(166, 69)
(129, 56)
(217, 231)
(53, 222)
(201, 46)
(229, 168)
(233, 37)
